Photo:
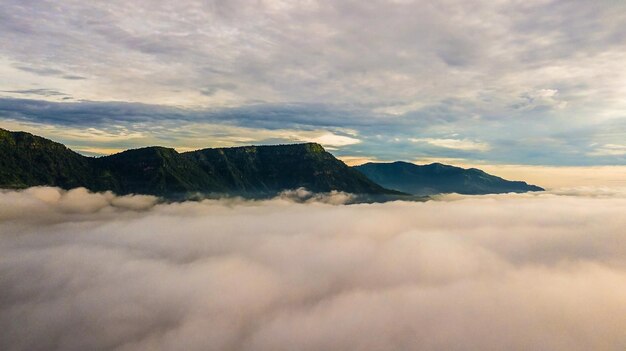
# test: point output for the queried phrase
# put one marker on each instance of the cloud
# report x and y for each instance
(301, 195)
(42, 92)
(458, 144)
(43, 71)
(609, 149)
(541, 99)
(97, 127)
(265, 116)
(316, 52)
(537, 81)
(86, 271)
(443, 128)
(54, 204)
(335, 140)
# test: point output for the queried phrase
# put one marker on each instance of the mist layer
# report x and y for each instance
(84, 271)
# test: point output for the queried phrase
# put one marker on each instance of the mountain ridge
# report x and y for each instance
(437, 178)
(29, 160)
(252, 170)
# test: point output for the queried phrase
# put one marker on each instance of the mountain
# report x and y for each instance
(438, 178)
(28, 160)
(272, 168)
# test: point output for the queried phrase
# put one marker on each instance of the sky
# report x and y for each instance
(533, 83)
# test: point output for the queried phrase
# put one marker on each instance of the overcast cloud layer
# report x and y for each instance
(81, 271)
(529, 82)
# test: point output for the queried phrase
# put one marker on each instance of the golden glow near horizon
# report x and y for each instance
(549, 177)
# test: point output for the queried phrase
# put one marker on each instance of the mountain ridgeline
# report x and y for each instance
(251, 171)
(28, 160)
(438, 178)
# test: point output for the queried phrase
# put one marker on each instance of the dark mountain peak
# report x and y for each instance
(308, 147)
(404, 165)
(29, 160)
(313, 147)
(396, 164)
(437, 166)
(28, 140)
(300, 147)
(437, 178)
(400, 163)
(434, 165)
(5, 133)
(476, 170)
(244, 170)
(154, 151)
(19, 135)
(268, 168)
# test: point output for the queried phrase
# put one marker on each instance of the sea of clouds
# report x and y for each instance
(86, 271)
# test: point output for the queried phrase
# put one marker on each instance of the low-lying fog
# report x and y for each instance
(83, 271)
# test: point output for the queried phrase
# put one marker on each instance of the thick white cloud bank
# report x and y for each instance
(82, 271)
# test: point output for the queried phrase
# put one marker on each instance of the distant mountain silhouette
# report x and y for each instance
(28, 160)
(438, 178)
